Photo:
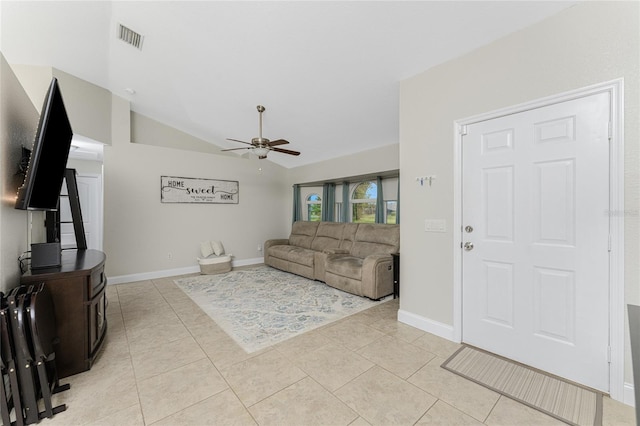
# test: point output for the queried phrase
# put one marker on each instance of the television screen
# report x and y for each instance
(45, 173)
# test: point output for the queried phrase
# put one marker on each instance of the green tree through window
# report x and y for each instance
(363, 202)
(314, 208)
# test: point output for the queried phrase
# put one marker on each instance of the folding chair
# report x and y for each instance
(42, 327)
(24, 390)
(11, 396)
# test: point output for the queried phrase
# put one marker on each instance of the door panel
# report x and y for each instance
(535, 283)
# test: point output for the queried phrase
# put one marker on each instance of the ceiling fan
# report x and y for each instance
(261, 146)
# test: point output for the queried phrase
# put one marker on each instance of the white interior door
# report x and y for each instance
(90, 193)
(536, 278)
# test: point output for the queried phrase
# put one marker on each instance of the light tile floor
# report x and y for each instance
(165, 362)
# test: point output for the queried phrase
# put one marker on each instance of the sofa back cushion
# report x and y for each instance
(348, 236)
(328, 236)
(302, 234)
(375, 238)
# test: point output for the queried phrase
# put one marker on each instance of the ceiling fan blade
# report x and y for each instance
(233, 149)
(236, 140)
(278, 142)
(285, 151)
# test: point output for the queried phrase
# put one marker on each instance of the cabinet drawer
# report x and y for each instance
(97, 282)
(97, 321)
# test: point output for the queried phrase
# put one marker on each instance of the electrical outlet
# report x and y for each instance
(259, 247)
(170, 256)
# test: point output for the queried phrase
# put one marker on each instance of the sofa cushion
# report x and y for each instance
(292, 254)
(328, 236)
(348, 236)
(372, 238)
(302, 233)
(346, 266)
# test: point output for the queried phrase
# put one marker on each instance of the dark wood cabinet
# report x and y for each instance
(78, 291)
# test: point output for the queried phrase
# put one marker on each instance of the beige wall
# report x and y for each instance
(589, 43)
(18, 122)
(362, 163)
(147, 131)
(88, 105)
(140, 231)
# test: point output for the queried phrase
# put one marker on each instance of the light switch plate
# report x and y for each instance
(435, 225)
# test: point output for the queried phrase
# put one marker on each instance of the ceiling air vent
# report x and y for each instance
(130, 37)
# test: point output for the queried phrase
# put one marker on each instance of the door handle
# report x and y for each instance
(468, 246)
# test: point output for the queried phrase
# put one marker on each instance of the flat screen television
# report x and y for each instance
(48, 160)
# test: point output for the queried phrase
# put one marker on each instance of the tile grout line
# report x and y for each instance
(133, 370)
(229, 387)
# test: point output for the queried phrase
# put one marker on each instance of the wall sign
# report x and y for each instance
(192, 190)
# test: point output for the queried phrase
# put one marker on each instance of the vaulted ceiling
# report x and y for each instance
(327, 72)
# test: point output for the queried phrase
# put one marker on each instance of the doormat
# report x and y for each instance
(566, 401)
(263, 306)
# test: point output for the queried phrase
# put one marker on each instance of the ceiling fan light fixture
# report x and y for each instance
(261, 146)
(260, 151)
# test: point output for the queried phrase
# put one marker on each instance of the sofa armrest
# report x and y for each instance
(335, 251)
(270, 243)
(377, 276)
(278, 242)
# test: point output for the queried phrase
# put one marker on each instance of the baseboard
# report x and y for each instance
(425, 324)
(446, 332)
(246, 262)
(628, 394)
(121, 279)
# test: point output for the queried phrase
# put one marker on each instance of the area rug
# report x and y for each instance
(566, 401)
(262, 306)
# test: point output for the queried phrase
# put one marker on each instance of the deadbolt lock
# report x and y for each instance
(468, 229)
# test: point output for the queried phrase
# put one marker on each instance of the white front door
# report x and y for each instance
(90, 193)
(536, 267)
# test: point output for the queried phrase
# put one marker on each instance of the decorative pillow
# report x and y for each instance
(206, 249)
(217, 247)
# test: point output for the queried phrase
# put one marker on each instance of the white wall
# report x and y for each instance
(18, 122)
(589, 43)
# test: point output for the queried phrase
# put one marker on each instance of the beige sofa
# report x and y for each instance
(353, 257)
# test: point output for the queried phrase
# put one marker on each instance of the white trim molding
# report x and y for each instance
(629, 395)
(425, 324)
(121, 279)
(618, 389)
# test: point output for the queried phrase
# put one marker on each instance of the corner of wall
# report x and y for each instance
(18, 120)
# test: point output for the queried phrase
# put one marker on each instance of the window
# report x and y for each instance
(390, 211)
(363, 202)
(338, 212)
(314, 208)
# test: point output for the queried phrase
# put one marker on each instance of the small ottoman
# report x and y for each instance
(215, 264)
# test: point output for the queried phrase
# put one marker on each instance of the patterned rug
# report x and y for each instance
(262, 306)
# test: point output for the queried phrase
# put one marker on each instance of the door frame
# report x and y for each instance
(615, 88)
(100, 206)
